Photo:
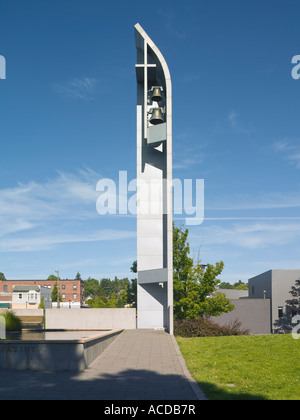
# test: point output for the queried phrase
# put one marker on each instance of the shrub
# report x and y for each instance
(12, 322)
(205, 327)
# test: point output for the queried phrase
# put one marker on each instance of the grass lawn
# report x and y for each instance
(244, 367)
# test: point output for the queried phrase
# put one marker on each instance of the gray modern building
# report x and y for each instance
(154, 187)
(276, 286)
(261, 310)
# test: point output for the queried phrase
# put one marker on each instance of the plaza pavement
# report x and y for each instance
(137, 365)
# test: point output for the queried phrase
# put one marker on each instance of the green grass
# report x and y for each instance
(244, 367)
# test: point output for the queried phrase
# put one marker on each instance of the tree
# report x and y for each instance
(194, 284)
(132, 293)
(293, 305)
(2, 277)
(98, 302)
(92, 288)
(236, 286)
(52, 277)
(113, 301)
(122, 299)
(284, 324)
(240, 285)
(133, 268)
(78, 276)
(54, 294)
(107, 286)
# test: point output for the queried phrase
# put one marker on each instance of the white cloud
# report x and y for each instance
(252, 235)
(65, 196)
(232, 118)
(290, 150)
(40, 216)
(48, 241)
(236, 124)
(259, 201)
(83, 89)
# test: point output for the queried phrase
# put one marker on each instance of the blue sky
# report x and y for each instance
(68, 119)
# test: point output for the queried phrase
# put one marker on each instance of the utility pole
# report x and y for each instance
(58, 304)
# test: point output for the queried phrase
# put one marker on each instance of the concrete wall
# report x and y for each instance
(254, 315)
(26, 312)
(54, 355)
(91, 318)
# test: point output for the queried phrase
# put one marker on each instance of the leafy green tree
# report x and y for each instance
(240, 285)
(52, 277)
(133, 268)
(113, 301)
(78, 276)
(236, 286)
(194, 284)
(54, 294)
(92, 288)
(132, 293)
(98, 302)
(42, 303)
(122, 299)
(107, 286)
(2, 277)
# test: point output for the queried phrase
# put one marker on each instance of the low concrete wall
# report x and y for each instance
(54, 355)
(254, 315)
(91, 318)
(25, 312)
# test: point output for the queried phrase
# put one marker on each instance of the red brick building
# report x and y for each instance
(71, 291)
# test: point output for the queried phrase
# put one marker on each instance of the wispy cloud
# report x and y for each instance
(252, 235)
(290, 150)
(258, 201)
(65, 196)
(190, 156)
(232, 118)
(82, 89)
(235, 123)
(39, 216)
(48, 240)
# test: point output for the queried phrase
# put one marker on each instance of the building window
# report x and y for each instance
(5, 288)
(74, 296)
(64, 296)
(280, 311)
(63, 287)
(74, 287)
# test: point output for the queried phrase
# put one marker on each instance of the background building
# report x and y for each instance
(30, 297)
(71, 291)
(261, 308)
(276, 286)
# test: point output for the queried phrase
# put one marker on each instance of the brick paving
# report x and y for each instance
(137, 365)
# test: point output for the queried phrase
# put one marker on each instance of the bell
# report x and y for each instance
(156, 94)
(156, 116)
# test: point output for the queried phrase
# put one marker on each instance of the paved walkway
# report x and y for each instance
(137, 365)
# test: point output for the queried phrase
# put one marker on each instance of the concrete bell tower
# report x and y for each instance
(154, 187)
